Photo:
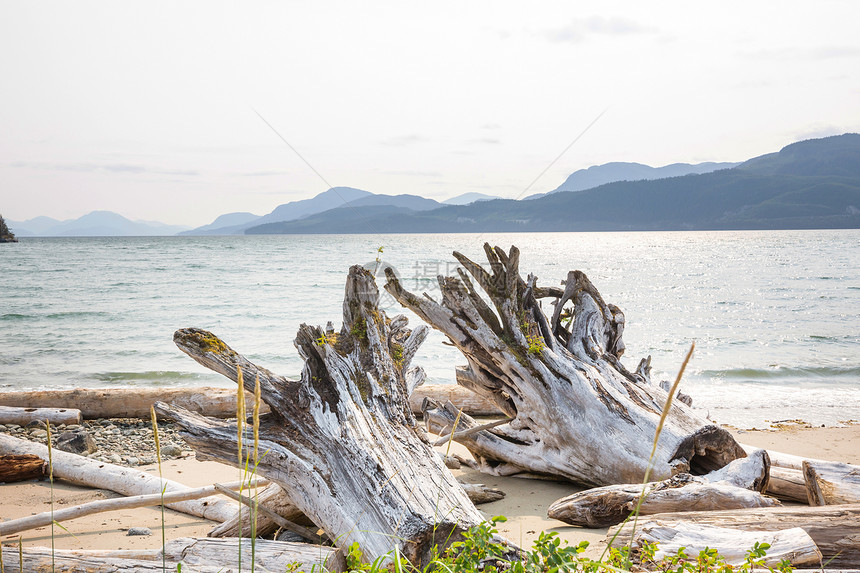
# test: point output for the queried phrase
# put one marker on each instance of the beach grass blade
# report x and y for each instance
(256, 427)
(163, 485)
(51, 481)
(240, 421)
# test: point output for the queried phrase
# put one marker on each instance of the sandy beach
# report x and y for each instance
(524, 505)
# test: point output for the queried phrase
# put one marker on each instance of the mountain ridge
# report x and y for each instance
(598, 175)
(749, 198)
(812, 183)
(94, 224)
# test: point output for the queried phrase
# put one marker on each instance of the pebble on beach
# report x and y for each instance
(121, 441)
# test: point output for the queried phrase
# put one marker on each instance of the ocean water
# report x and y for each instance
(775, 314)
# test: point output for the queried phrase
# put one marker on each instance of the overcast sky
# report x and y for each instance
(149, 109)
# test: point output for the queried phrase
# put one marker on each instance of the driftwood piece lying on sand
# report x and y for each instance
(196, 555)
(215, 402)
(481, 493)
(126, 481)
(21, 467)
(793, 545)
(834, 528)
(737, 485)
(274, 498)
(128, 402)
(282, 522)
(787, 485)
(103, 505)
(577, 412)
(831, 483)
(342, 441)
(811, 480)
(23, 416)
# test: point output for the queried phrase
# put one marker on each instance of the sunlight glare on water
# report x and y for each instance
(775, 314)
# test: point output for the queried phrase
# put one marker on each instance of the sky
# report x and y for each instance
(182, 111)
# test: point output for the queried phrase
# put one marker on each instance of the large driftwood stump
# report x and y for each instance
(342, 441)
(577, 411)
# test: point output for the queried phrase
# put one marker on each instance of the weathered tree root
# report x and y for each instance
(342, 441)
(577, 412)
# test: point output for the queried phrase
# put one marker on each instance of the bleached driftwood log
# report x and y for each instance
(23, 416)
(792, 545)
(216, 402)
(103, 505)
(128, 402)
(21, 467)
(255, 507)
(276, 500)
(787, 485)
(481, 493)
(578, 412)
(737, 485)
(834, 528)
(126, 481)
(831, 483)
(196, 555)
(342, 441)
(465, 400)
(781, 459)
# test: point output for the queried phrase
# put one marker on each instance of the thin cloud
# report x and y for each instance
(121, 168)
(410, 173)
(403, 140)
(273, 173)
(817, 132)
(582, 28)
(794, 53)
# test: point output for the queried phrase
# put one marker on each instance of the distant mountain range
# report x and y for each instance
(598, 175)
(809, 184)
(95, 224)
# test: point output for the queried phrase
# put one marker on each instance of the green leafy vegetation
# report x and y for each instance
(482, 551)
(359, 329)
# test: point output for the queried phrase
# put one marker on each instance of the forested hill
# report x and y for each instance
(810, 184)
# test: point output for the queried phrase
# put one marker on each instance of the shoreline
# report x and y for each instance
(524, 506)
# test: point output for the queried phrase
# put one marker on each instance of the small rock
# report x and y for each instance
(2, 428)
(114, 459)
(132, 461)
(170, 451)
(37, 424)
(139, 531)
(73, 427)
(39, 434)
(76, 443)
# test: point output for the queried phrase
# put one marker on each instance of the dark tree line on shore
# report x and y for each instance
(5, 233)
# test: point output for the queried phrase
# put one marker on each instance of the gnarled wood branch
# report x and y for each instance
(738, 485)
(577, 412)
(342, 441)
